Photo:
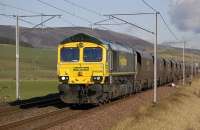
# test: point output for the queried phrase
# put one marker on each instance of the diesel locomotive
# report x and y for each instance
(92, 70)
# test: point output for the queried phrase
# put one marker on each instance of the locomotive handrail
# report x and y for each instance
(122, 73)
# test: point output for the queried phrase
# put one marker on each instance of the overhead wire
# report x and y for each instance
(25, 21)
(88, 10)
(169, 29)
(29, 11)
(65, 20)
(84, 8)
(67, 12)
(164, 21)
(12, 17)
(91, 11)
(94, 12)
(79, 6)
(148, 5)
(23, 30)
(142, 28)
(22, 9)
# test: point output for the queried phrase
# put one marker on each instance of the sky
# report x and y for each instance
(182, 16)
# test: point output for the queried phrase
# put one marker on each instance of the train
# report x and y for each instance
(95, 71)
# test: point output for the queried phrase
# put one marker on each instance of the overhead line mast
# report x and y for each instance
(164, 21)
(155, 46)
(14, 7)
(17, 48)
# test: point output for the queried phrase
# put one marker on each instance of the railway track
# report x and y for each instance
(6, 107)
(42, 121)
(49, 119)
(27, 107)
(54, 118)
(12, 108)
(61, 113)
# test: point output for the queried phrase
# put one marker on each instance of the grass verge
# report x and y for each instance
(28, 89)
(180, 111)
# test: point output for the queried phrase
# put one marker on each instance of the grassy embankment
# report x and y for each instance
(180, 111)
(37, 72)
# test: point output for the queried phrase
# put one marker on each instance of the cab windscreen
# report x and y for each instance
(92, 54)
(69, 54)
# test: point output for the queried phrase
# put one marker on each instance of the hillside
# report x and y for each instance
(50, 37)
(4, 40)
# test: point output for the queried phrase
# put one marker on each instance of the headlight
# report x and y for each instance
(97, 78)
(64, 78)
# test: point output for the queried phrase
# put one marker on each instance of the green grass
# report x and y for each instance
(37, 72)
(28, 89)
(35, 63)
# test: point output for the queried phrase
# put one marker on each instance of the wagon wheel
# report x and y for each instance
(140, 86)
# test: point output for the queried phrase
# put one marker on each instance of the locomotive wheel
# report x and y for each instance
(139, 88)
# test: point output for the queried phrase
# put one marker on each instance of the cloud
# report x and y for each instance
(185, 15)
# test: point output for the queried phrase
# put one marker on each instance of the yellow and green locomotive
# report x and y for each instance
(91, 70)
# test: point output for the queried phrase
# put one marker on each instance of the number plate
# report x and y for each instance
(81, 69)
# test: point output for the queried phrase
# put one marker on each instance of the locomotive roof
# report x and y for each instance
(82, 37)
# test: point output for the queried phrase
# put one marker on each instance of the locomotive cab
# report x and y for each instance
(81, 63)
